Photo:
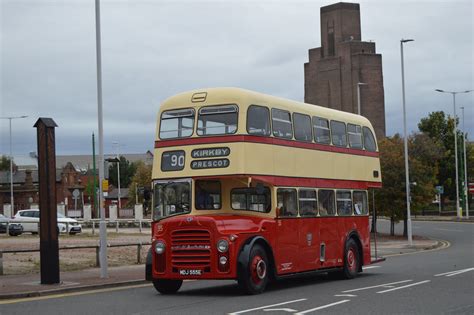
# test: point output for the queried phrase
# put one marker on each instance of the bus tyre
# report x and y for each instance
(254, 278)
(351, 260)
(165, 286)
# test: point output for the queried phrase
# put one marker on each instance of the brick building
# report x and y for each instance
(343, 60)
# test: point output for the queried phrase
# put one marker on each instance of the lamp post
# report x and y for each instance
(358, 97)
(466, 196)
(458, 210)
(102, 226)
(118, 174)
(10, 118)
(405, 144)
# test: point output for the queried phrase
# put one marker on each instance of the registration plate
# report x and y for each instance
(190, 272)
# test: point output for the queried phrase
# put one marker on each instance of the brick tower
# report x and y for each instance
(343, 60)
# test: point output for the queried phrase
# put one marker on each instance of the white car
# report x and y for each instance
(29, 219)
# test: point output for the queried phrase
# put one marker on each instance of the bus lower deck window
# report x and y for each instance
(360, 203)
(208, 195)
(250, 199)
(326, 202)
(344, 202)
(287, 202)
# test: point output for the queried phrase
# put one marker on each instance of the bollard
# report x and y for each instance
(116, 226)
(8, 228)
(140, 226)
(1, 263)
(139, 253)
(97, 253)
(93, 227)
(67, 227)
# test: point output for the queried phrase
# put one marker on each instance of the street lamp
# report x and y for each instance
(118, 174)
(466, 196)
(102, 224)
(358, 97)
(405, 144)
(10, 118)
(458, 210)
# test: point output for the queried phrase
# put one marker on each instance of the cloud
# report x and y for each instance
(152, 50)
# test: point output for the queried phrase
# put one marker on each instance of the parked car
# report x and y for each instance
(14, 229)
(29, 219)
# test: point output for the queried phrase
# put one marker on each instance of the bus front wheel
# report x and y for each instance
(351, 260)
(167, 286)
(254, 277)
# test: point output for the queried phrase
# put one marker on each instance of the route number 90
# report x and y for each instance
(172, 161)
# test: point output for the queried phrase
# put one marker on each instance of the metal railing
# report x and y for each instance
(96, 247)
(84, 223)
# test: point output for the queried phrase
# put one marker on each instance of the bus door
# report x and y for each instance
(309, 239)
(287, 230)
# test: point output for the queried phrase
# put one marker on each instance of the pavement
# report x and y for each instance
(28, 285)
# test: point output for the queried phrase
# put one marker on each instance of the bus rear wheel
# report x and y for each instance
(254, 278)
(167, 286)
(351, 260)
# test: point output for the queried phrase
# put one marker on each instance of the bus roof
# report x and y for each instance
(245, 98)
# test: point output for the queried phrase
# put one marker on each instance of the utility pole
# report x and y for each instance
(94, 176)
(102, 224)
(466, 184)
(405, 144)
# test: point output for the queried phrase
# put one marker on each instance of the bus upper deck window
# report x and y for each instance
(258, 120)
(217, 120)
(302, 125)
(321, 130)
(355, 136)
(177, 123)
(369, 140)
(282, 127)
(338, 132)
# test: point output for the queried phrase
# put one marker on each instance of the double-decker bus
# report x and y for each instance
(252, 187)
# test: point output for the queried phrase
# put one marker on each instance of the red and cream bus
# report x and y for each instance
(252, 187)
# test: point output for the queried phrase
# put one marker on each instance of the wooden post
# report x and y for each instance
(49, 251)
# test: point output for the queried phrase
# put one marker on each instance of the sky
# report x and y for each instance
(152, 50)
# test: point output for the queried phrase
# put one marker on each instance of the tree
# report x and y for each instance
(391, 199)
(5, 163)
(440, 129)
(127, 170)
(141, 179)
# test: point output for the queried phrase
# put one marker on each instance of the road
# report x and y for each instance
(431, 282)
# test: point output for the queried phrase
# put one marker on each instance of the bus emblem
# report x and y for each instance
(189, 219)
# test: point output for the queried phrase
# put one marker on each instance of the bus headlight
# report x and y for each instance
(222, 246)
(159, 247)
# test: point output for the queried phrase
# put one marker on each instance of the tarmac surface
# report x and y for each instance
(28, 285)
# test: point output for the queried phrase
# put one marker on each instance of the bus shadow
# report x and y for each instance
(232, 289)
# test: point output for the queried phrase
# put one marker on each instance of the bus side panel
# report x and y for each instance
(286, 253)
(359, 224)
(309, 242)
(329, 236)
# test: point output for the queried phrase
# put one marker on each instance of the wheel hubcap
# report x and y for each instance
(259, 269)
(351, 259)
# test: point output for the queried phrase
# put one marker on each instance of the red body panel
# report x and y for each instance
(191, 243)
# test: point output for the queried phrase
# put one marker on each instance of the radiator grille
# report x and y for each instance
(191, 249)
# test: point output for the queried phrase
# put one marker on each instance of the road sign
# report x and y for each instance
(440, 190)
(105, 185)
(75, 194)
(471, 188)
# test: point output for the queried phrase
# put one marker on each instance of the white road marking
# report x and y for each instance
(370, 267)
(449, 230)
(405, 286)
(266, 306)
(288, 310)
(452, 273)
(459, 272)
(346, 295)
(321, 307)
(376, 286)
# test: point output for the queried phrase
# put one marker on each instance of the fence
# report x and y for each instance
(93, 223)
(97, 248)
